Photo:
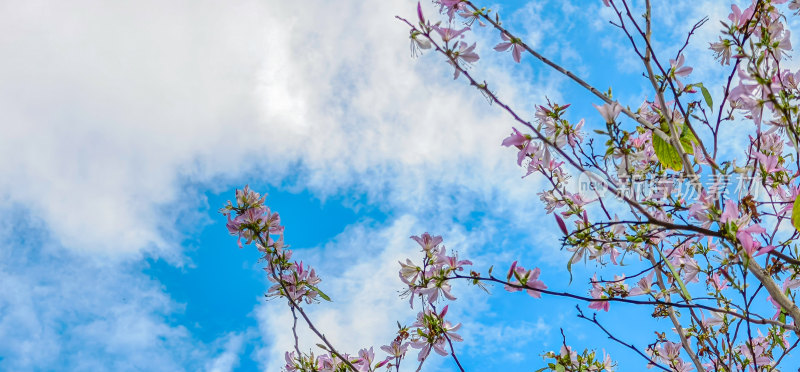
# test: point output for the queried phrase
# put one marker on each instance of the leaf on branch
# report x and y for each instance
(575, 257)
(675, 275)
(796, 214)
(706, 96)
(667, 155)
(688, 140)
(321, 294)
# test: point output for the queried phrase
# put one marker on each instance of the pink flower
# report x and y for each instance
(671, 350)
(452, 6)
(365, 358)
(452, 261)
(574, 136)
(718, 282)
(448, 34)
(777, 307)
(395, 349)
(769, 163)
(760, 353)
(739, 18)
(699, 212)
(644, 286)
(598, 293)
(679, 70)
(677, 67)
(465, 54)
(609, 112)
(435, 286)
(513, 43)
(522, 142)
(424, 346)
(722, 50)
(409, 272)
(419, 42)
(290, 366)
(791, 282)
(715, 319)
(699, 155)
(731, 212)
(272, 222)
(746, 239)
(427, 242)
(471, 17)
(525, 278)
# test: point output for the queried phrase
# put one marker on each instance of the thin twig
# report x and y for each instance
(610, 336)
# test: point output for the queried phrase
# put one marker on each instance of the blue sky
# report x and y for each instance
(127, 125)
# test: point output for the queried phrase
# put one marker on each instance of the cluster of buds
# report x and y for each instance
(328, 362)
(568, 360)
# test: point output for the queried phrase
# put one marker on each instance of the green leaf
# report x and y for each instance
(675, 275)
(667, 155)
(688, 139)
(321, 293)
(560, 368)
(569, 265)
(796, 214)
(706, 96)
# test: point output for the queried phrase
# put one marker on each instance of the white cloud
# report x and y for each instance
(493, 339)
(108, 108)
(62, 310)
(111, 110)
(228, 358)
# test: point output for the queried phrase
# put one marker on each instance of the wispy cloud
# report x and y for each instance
(63, 310)
(228, 359)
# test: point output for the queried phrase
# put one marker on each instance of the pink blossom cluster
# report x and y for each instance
(363, 362)
(257, 224)
(428, 282)
(519, 277)
(666, 139)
